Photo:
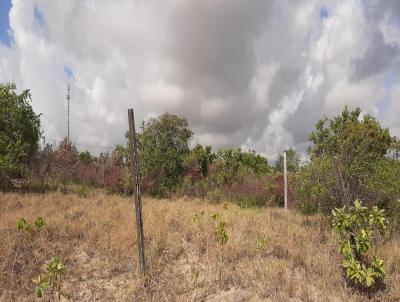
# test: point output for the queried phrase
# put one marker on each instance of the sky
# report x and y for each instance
(5, 37)
(254, 74)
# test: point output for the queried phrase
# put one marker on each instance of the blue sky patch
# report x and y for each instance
(390, 79)
(39, 17)
(323, 12)
(68, 72)
(5, 36)
(383, 107)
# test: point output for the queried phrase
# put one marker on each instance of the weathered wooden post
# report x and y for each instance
(136, 191)
(285, 187)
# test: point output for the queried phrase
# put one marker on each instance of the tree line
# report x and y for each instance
(350, 157)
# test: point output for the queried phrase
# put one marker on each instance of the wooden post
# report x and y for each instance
(136, 191)
(285, 180)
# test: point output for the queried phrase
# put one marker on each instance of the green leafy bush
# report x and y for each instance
(85, 157)
(352, 156)
(50, 279)
(163, 143)
(24, 226)
(221, 233)
(384, 186)
(261, 242)
(20, 130)
(316, 186)
(357, 226)
(232, 164)
(39, 223)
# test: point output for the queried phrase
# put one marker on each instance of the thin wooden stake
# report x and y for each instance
(136, 190)
(285, 180)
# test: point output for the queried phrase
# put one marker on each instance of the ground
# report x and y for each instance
(270, 254)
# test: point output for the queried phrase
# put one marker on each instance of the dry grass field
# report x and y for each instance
(270, 255)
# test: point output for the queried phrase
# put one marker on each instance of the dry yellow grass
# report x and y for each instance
(296, 258)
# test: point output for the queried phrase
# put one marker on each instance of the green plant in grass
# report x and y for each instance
(221, 233)
(261, 242)
(24, 226)
(50, 279)
(251, 202)
(39, 223)
(357, 226)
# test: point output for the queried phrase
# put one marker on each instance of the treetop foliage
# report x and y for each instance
(349, 135)
(163, 142)
(19, 129)
(292, 161)
(350, 156)
(167, 163)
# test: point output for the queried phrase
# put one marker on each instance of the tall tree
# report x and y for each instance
(163, 143)
(357, 143)
(353, 149)
(19, 129)
(351, 137)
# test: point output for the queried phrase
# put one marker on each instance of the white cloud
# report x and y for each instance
(255, 73)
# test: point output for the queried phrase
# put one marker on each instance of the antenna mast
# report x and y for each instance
(68, 98)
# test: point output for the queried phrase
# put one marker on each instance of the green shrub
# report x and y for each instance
(85, 157)
(316, 185)
(50, 279)
(19, 130)
(261, 242)
(233, 164)
(39, 223)
(163, 143)
(384, 187)
(357, 226)
(24, 226)
(221, 233)
(251, 202)
(347, 156)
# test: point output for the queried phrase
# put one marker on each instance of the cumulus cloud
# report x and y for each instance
(256, 74)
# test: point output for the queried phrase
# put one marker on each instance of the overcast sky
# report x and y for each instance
(254, 74)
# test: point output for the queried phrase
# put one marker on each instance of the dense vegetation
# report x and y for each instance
(350, 157)
(19, 132)
(169, 167)
(352, 160)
